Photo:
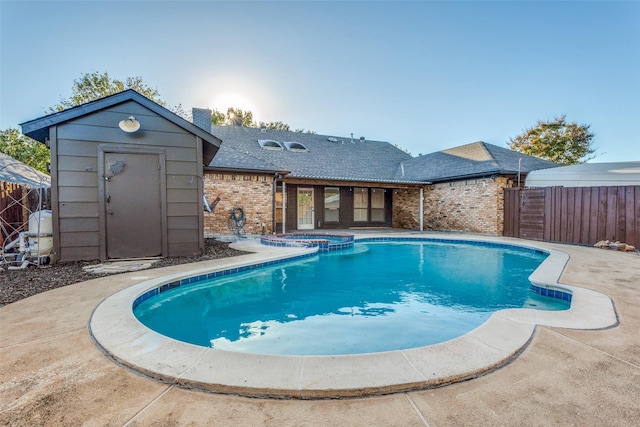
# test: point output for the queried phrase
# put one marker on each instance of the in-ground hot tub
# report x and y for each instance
(325, 242)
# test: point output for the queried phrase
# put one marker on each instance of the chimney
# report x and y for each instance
(202, 118)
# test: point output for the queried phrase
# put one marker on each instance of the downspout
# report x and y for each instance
(421, 209)
(284, 207)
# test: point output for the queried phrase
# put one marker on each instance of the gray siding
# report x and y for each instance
(75, 145)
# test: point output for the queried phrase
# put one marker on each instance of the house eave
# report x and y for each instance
(246, 170)
(486, 174)
(363, 180)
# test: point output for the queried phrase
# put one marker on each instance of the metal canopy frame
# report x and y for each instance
(15, 246)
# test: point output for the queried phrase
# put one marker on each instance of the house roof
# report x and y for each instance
(38, 129)
(12, 170)
(587, 175)
(328, 158)
(469, 161)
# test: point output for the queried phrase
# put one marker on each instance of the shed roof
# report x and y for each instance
(12, 170)
(469, 161)
(38, 129)
(587, 175)
(327, 157)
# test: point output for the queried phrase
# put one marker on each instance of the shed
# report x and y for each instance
(126, 179)
(587, 175)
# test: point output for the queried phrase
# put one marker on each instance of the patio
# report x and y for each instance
(53, 374)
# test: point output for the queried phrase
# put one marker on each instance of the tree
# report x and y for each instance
(92, 86)
(556, 140)
(275, 126)
(238, 117)
(301, 130)
(24, 149)
(218, 118)
(89, 87)
(234, 117)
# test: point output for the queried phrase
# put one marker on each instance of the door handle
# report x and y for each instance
(110, 212)
(108, 198)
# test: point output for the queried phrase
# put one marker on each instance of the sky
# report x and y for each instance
(424, 75)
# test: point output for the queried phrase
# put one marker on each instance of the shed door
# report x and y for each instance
(132, 202)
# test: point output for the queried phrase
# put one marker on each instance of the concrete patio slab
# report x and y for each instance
(51, 373)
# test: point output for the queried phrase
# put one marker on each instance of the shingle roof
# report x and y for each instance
(467, 161)
(38, 129)
(337, 158)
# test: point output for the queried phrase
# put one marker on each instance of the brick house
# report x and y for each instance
(466, 185)
(287, 181)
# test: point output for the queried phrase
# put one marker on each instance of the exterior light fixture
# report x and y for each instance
(129, 125)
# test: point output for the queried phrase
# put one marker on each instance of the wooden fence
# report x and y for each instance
(581, 215)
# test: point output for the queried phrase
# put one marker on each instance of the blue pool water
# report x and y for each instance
(371, 298)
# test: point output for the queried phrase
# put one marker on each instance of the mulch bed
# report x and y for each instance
(18, 284)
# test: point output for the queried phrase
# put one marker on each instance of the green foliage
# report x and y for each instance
(558, 141)
(92, 86)
(24, 149)
(234, 117)
(238, 117)
(218, 118)
(275, 126)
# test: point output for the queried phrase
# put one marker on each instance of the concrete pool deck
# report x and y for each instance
(52, 373)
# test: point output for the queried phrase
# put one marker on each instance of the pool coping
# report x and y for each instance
(493, 344)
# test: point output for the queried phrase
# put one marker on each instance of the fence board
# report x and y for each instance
(585, 220)
(582, 215)
(632, 209)
(612, 205)
(621, 217)
(577, 218)
(593, 220)
(548, 213)
(602, 212)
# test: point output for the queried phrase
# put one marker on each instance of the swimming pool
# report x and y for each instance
(120, 335)
(380, 296)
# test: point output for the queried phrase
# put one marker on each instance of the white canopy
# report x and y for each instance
(12, 170)
(587, 175)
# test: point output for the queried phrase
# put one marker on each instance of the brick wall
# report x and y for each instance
(253, 193)
(406, 209)
(470, 205)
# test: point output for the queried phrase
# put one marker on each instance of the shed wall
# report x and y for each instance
(74, 150)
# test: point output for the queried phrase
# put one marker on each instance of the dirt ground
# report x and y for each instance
(18, 284)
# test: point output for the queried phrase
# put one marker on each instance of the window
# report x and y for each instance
(360, 204)
(377, 205)
(270, 144)
(295, 146)
(279, 205)
(331, 204)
